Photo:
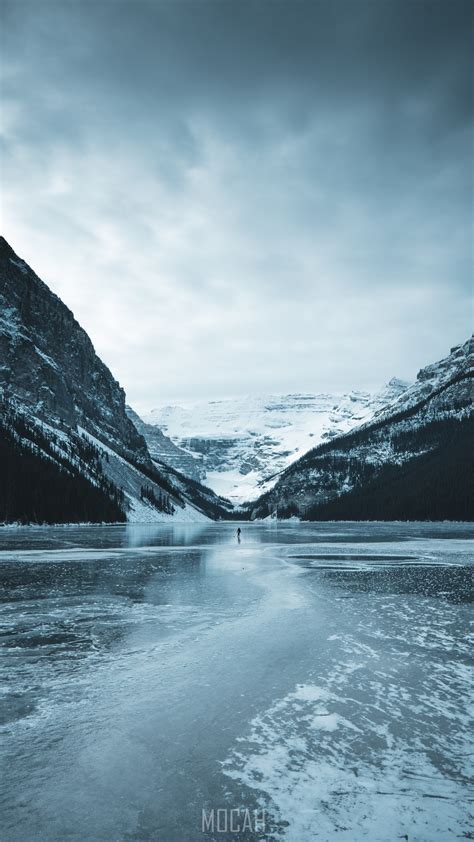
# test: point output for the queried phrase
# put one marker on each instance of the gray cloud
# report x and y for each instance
(245, 196)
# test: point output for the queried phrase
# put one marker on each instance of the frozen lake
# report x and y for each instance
(314, 679)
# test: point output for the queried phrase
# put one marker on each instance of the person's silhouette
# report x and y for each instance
(239, 532)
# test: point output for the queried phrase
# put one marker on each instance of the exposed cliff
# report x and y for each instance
(63, 415)
(162, 449)
(48, 362)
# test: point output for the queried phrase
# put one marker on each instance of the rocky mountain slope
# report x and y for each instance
(48, 363)
(71, 449)
(242, 443)
(412, 460)
(63, 414)
(164, 451)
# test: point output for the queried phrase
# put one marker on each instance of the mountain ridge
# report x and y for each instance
(244, 443)
(63, 412)
(64, 421)
(423, 420)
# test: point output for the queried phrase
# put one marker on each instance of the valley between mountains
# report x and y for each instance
(72, 450)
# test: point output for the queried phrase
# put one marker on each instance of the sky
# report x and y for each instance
(240, 197)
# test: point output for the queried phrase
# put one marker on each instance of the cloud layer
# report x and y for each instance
(245, 196)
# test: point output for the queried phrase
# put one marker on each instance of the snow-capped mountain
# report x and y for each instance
(70, 448)
(240, 444)
(412, 460)
(68, 445)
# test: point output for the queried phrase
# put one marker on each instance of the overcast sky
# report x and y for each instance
(243, 197)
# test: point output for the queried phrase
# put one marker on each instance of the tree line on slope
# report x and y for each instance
(40, 483)
(434, 484)
(437, 485)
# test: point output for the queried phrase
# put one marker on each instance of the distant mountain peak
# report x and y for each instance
(244, 443)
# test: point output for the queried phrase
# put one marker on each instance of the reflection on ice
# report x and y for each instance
(155, 535)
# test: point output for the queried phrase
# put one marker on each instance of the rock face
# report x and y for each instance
(413, 455)
(458, 365)
(242, 443)
(60, 405)
(48, 362)
(163, 450)
(71, 449)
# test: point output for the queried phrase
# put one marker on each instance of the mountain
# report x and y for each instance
(240, 445)
(69, 449)
(163, 450)
(412, 460)
(180, 470)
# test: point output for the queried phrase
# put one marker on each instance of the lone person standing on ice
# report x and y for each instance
(239, 531)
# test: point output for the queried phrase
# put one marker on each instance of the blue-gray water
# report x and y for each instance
(318, 674)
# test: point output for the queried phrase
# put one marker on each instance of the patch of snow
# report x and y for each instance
(244, 442)
(129, 477)
(142, 512)
(47, 360)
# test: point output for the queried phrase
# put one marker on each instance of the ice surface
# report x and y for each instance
(151, 671)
